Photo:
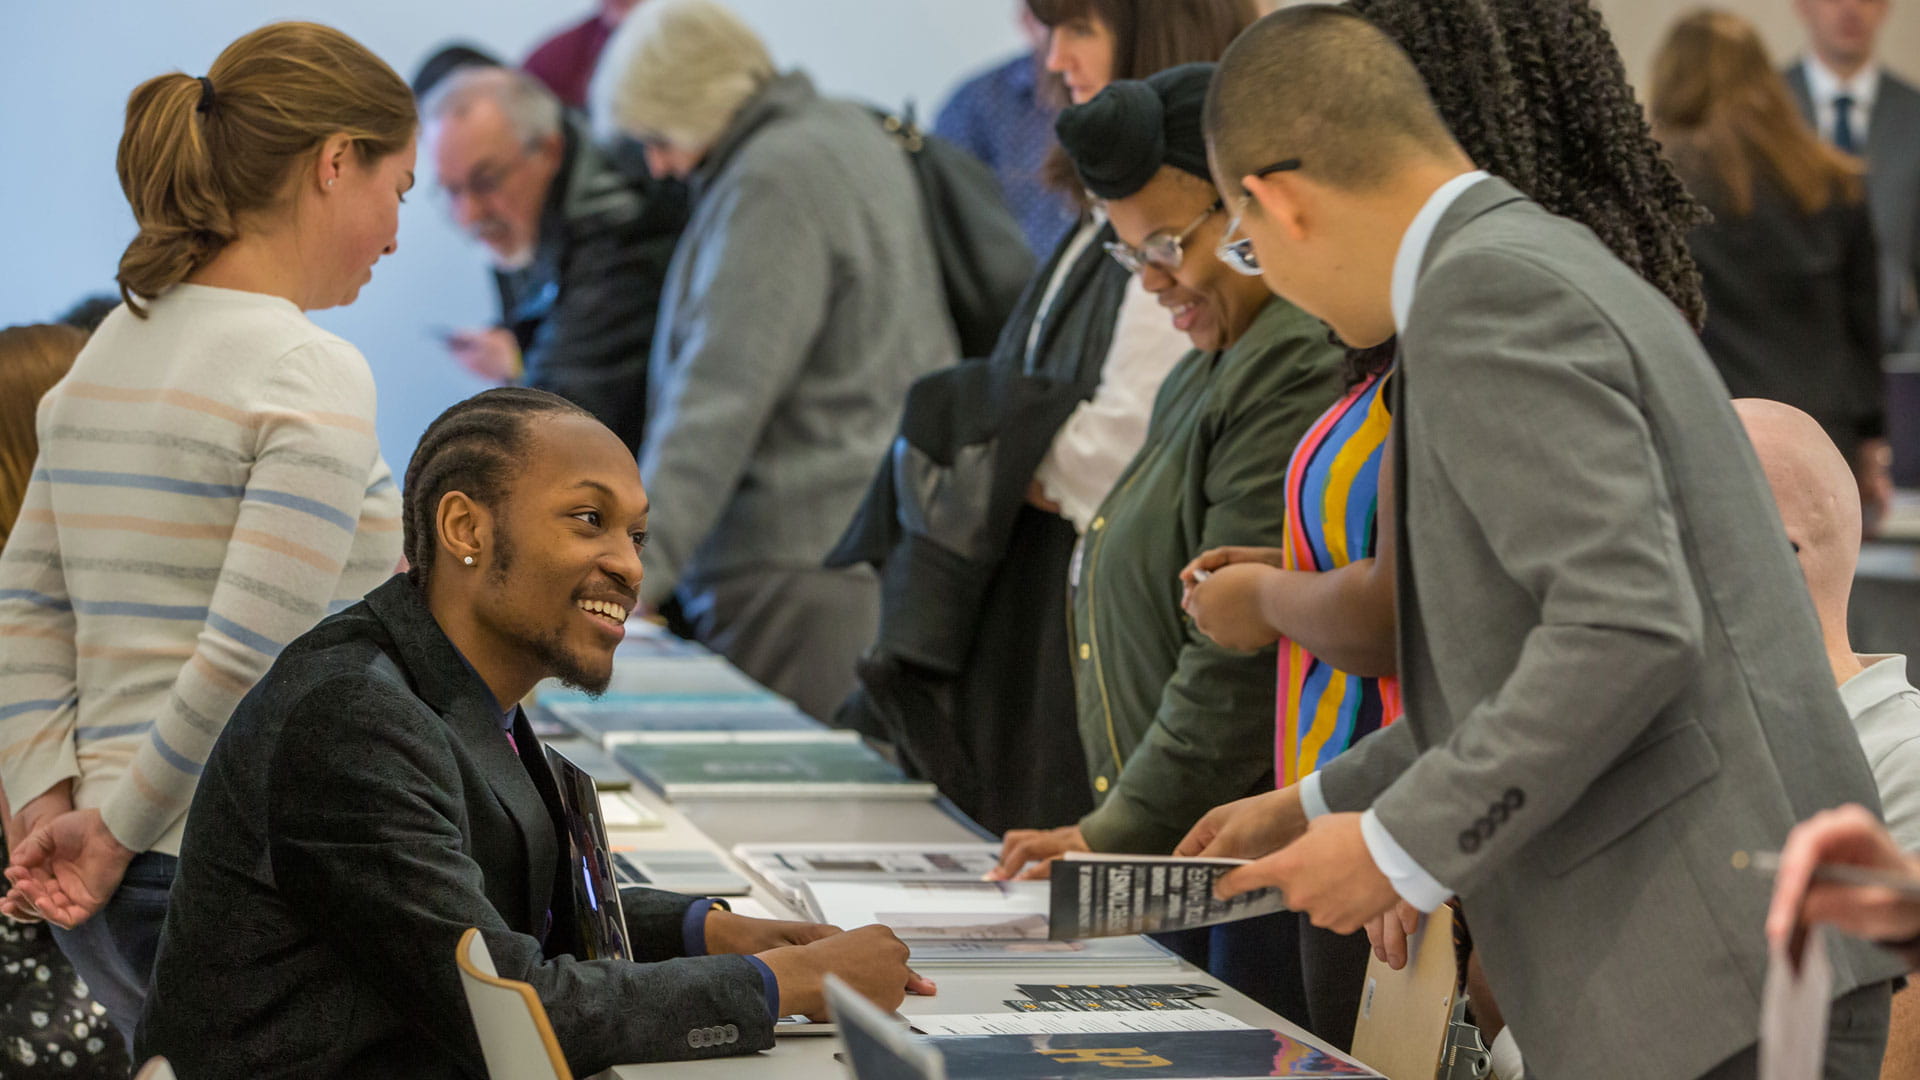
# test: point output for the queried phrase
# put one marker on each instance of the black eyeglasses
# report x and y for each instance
(1163, 251)
(1238, 253)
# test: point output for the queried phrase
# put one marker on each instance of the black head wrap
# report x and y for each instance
(1128, 131)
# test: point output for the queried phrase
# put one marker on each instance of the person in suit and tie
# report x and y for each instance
(1865, 110)
(380, 791)
(1611, 671)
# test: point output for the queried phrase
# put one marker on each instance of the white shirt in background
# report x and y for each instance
(1823, 86)
(1093, 447)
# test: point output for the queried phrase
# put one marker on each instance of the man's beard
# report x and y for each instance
(565, 666)
(549, 646)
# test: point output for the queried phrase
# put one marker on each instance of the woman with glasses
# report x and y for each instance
(970, 677)
(1166, 716)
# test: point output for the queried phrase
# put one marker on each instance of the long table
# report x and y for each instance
(717, 825)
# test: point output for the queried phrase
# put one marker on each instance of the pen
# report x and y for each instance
(1768, 862)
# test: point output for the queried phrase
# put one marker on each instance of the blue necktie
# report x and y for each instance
(1843, 124)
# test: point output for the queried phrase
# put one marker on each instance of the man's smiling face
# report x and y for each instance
(565, 569)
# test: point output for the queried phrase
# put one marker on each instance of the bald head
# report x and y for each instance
(1819, 499)
(1319, 83)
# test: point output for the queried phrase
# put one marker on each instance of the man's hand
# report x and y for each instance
(1248, 828)
(1848, 836)
(728, 933)
(1389, 933)
(1328, 874)
(493, 353)
(871, 959)
(68, 867)
(1226, 607)
(1038, 847)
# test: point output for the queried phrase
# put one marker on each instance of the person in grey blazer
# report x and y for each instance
(802, 302)
(1612, 675)
(372, 798)
(1866, 110)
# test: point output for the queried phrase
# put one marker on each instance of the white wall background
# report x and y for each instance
(66, 69)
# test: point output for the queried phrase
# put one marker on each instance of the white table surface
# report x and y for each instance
(719, 824)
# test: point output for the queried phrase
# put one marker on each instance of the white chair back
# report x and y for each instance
(155, 1069)
(515, 1037)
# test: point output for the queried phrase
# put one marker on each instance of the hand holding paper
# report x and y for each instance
(1329, 874)
(1851, 836)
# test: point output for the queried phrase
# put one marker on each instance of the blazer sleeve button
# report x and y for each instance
(1469, 841)
(1514, 798)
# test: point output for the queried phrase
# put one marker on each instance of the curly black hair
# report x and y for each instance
(1535, 92)
(473, 448)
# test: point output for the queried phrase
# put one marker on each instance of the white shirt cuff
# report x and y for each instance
(1415, 886)
(1312, 802)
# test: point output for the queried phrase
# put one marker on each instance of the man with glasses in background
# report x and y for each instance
(579, 249)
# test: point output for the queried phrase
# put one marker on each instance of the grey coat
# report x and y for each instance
(803, 300)
(1893, 194)
(1612, 674)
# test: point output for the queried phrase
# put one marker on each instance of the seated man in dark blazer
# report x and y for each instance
(379, 792)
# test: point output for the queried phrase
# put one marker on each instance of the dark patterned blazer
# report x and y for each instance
(363, 808)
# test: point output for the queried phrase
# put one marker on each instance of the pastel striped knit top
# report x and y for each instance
(209, 486)
(1333, 496)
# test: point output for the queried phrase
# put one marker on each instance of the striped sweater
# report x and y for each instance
(209, 486)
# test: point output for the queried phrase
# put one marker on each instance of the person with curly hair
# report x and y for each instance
(1611, 676)
(1575, 143)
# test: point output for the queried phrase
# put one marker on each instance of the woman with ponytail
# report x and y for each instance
(208, 482)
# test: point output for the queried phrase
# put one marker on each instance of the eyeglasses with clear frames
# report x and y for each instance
(1162, 251)
(1237, 251)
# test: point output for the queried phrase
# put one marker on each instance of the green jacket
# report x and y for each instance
(1173, 724)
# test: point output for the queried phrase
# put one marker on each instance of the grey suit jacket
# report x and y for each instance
(1893, 194)
(1612, 674)
(361, 810)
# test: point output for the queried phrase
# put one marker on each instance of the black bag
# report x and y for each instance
(983, 255)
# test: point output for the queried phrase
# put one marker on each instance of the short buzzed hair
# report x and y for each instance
(1319, 83)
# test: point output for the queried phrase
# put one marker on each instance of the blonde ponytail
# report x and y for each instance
(199, 155)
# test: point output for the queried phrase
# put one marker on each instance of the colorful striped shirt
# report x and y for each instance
(1333, 495)
(208, 487)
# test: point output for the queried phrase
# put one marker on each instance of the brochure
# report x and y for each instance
(1104, 895)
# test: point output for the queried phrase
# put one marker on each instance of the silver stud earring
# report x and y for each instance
(329, 183)
(468, 560)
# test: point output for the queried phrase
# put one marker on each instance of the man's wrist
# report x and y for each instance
(769, 985)
(1313, 802)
